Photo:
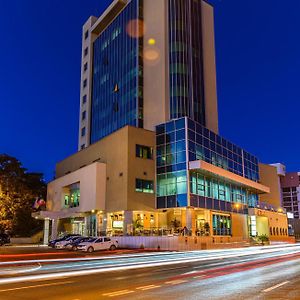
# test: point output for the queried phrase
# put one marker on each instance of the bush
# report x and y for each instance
(263, 238)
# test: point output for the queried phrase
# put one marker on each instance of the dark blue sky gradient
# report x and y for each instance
(258, 65)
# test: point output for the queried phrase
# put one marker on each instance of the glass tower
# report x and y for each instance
(117, 92)
(186, 60)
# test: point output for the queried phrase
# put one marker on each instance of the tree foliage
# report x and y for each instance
(18, 191)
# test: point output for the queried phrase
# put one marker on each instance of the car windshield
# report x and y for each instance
(90, 240)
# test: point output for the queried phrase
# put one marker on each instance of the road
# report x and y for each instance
(270, 272)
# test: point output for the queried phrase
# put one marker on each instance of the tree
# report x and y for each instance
(18, 191)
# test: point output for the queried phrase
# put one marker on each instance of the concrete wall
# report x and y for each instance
(92, 180)
(209, 67)
(118, 152)
(290, 180)
(86, 43)
(239, 225)
(269, 177)
(140, 168)
(156, 71)
(274, 220)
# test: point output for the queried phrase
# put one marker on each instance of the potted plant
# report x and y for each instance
(263, 238)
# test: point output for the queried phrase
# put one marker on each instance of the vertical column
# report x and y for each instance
(54, 229)
(127, 225)
(190, 220)
(101, 224)
(46, 231)
(85, 230)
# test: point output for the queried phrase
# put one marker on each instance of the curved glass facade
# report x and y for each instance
(186, 60)
(117, 94)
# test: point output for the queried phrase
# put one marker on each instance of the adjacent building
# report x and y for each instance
(150, 159)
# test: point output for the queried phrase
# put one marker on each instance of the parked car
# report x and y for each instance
(4, 239)
(99, 243)
(62, 238)
(72, 245)
(62, 244)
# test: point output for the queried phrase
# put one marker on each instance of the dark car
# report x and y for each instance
(4, 239)
(74, 243)
(53, 242)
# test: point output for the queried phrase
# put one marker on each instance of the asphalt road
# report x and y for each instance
(252, 273)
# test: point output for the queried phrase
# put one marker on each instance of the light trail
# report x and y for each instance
(127, 265)
(208, 253)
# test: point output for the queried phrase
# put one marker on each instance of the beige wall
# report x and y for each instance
(269, 177)
(117, 151)
(239, 225)
(209, 65)
(156, 72)
(85, 140)
(92, 180)
(274, 220)
(140, 168)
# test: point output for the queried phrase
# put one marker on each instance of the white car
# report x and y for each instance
(64, 243)
(98, 243)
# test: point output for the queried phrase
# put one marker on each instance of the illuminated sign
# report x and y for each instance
(117, 224)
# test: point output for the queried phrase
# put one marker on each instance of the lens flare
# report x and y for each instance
(135, 28)
(151, 42)
(151, 55)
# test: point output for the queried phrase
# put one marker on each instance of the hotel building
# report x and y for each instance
(150, 160)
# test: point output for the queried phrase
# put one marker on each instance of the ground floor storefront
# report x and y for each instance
(187, 221)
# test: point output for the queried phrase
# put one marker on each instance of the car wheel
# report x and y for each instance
(90, 249)
(112, 247)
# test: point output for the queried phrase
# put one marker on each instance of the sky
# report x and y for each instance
(258, 65)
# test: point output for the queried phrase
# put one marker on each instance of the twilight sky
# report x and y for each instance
(258, 65)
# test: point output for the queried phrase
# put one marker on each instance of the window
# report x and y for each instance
(84, 98)
(86, 35)
(144, 186)
(83, 116)
(83, 131)
(85, 67)
(86, 50)
(221, 225)
(85, 83)
(144, 152)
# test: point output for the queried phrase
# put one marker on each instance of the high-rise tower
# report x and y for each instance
(145, 62)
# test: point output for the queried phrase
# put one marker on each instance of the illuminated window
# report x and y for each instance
(144, 186)
(144, 152)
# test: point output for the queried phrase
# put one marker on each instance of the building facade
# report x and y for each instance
(141, 68)
(290, 185)
(150, 159)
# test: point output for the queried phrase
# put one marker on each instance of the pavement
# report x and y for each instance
(269, 272)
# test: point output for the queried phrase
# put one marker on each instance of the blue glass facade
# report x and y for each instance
(117, 94)
(183, 140)
(186, 60)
